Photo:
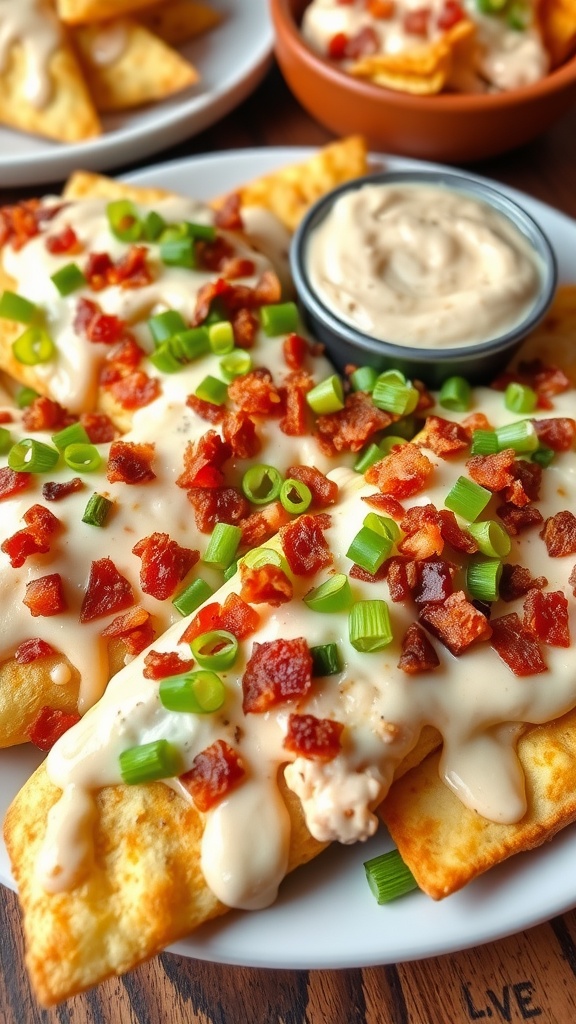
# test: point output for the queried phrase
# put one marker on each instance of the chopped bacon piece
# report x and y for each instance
(164, 564)
(386, 504)
(423, 543)
(324, 491)
(418, 654)
(96, 270)
(475, 421)
(516, 520)
(134, 628)
(546, 615)
(160, 665)
(244, 327)
(456, 622)
(235, 615)
(107, 591)
(55, 491)
(443, 437)
(402, 473)
(96, 325)
(261, 525)
(212, 255)
(98, 426)
(208, 618)
(349, 429)
(402, 577)
(235, 267)
(130, 463)
(337, 44)
(49, 725)
(239, 432)
(131, 270)
(203, 462)
(65, 241)
(45, 596)
(525, 486)
(381, 9)
(572, 580)
(304, 544)
(22, 545)
(135, 390)
(416, 21)
(358, 573)
(11, 482)
(215, 772)
(516, 581)
(277, 671)
(516, 645)
(267, 584)
(295, 421)
(546, 381)
(228, 216)
(217, 505)
(362, 44)
(434, 581)
(31, 650)
(295, 348)
(493, 471)
(559, 534)
(256, 394)
(45, 414)
(557, 433)
(317, 739)
(206, 410)
(41, 521)
(268, 289)
(454, 535)
(20, 222)
(451, 13)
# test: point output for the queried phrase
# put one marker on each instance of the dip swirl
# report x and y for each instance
(422, 265)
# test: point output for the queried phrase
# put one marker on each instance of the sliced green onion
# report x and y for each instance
(543, 456)
(520, 398)
(258, 557)
(188, 600)
(68, 279)
(334, 595)
(235, 364)
(173, 232)
(33, 347)
(383, 525)
(483, 578)
(326, 660)
(200, 693)
(281, 318)
(369, 626)
(389, 877)
(6, 441)
(521, 436)
(163, 359)
(327, 396)
(25, 397)
(490, 6)
(484, 442)
(124, 221)
(231, 570)
(364, 379)
(455, 394)
(223, 545)
(190, 344)
(97, 510)
(32, 456)
(163, 326)
(16, 307)
(206, 232)
(467, 498)
(73, 434)
(179, 252)
(221, 336)
(295, 496)
(83, 458)
(153, 226)
(389, 442)
(369, 549)
(217, 649)
(368, 457)
(491, 538)
(261, 484)
(394, 395)
(150, 762)
(213, 390)
(519, 16)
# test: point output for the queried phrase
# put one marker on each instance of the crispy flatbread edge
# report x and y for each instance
(446, 845)
(90, 185)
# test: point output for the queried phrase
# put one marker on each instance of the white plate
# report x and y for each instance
(326, 916)
(231, 59)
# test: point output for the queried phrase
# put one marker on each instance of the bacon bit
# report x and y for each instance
(130, 463)
(136, 390)
(336, 49)
(416, 21)
(122, 360)
(456, 622)
(267, 584)
(402, 473)
(44, 414)
(304, 544)
(55, 491)
(295, 348)
(159, 665)
(107, 591)
(559, 534)
(324, 491)
(402, 577)
(206, 410)
(34, 538)
(493, 471)
(5, 416)
(208, 618)
(277, 671)
(386, 504)
(20, 223)
(239, 432)
(419, 516)
(213, 255)
(164, 564)
(203, 462)
(49, 725)
(12, 482)
(131, 270)
(418, 654)
(235, 615)
(45, 595)
(268, 289)
(139, 639)
(256, 394)
(526, 484)
(261, 525)
(96, 270)
(434, 581)
(546, 615)
(228, 216)
(235, 267)
(215, 772)
(349, 429)
(381, 9)
(516, 581)
(96, 325)
(317, 739)
(364, 43)
(557, 433)
(516, 520)
(454, 535)
(134, 628)
(31, 650)
(98, 426)
(443, 437)
(41, 521)
(516, 645)
(450, 15)
(65, 241)
(295, 421)
(244, 327)
(424, 543)
(358, 573)
(217, 505)
(233, 297)
(475, 421)
(546, 381)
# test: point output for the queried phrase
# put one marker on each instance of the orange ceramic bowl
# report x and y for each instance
(448, 127)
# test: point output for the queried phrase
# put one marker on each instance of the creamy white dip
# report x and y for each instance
(422, 265)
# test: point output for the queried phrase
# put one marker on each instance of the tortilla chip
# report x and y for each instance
(81, 12)
(144, 70)
(178, 21)
(424, 70)
(289, 191)
(558, 25)
(26, 689)
(555, 338)
(89, 185)
(446, 845)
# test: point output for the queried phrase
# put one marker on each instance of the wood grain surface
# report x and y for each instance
(531, 976)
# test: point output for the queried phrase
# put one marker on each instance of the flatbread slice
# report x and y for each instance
(81, 12)
(178, 21)
(89, 185)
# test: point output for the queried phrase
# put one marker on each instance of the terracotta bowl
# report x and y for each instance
(459, 128)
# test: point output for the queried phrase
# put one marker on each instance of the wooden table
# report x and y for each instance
(528, 976)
